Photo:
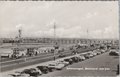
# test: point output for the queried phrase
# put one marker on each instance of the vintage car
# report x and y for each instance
(87, 56)
(102, 51)
(19, 74)
(69, 60)
(75, 59)
(96, 52)
(63, 62)
(43, 69)
(32, 72)
(61, 55)
(81, 58)
(56, 66)
(114, 53)
(93, 53)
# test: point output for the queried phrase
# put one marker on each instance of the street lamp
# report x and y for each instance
(55, 43)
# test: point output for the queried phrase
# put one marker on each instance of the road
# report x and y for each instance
(3, 60)
(101, 65)
(14, 64)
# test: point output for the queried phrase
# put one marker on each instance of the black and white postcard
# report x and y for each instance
(59, 38)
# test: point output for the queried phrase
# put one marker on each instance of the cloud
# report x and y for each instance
(60, 32)
(74, 31)
(108, 32)
(111, 32)
(108, 29)
(51, 23)
(71, 18)
(90, 15)
(96, 33)
(44, 33)
(19, 26)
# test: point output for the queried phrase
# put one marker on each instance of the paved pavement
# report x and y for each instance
(18, 63)
(5, 74)
(101, 65)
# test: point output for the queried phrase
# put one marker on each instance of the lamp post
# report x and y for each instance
(55, 43)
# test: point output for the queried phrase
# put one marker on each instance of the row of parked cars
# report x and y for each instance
(56, 65)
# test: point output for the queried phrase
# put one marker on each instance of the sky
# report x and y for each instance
(73, 19)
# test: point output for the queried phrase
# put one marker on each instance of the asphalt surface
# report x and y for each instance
(3, 60)
(101, 65)
(13, 61)
(14, 64)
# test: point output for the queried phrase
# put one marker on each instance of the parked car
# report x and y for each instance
(32, 72)
(62, 55)
(83, 54)
(94, 53)
(87, 56)
(36, 70)
(56, 66)
(49, 69)
(43, 69)
(81, 58)
(97, 52)
(10, 75)
(90, 55)
(75, 59)
(63, 62)
(69, 60)
(19, 74)
(102, 51)
(114, 53)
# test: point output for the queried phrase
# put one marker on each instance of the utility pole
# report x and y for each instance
(20, 32)
(87, 35)
(20, 35)
(54, 32)
(54, 39)
(18, 38)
